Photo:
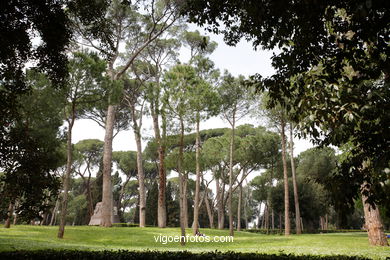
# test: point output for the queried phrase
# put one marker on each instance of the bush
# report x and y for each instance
(123, 254)
(127, 225)
(276, 231)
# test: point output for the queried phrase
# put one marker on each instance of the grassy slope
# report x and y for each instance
(96, 238)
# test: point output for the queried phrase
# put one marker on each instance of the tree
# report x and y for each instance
(160, 53)
(28, 176)
(298, 228)
(88, 154)
(178, 82)
(122, 23)
(323, 47)
(203, 99)
(235, 104)
(85, 82)
(126, 162)
(21, 22)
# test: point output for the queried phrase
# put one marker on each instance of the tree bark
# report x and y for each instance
(140, 168)
(61, 229)
(107, 160)
(141, 180)
(54, 213)
(239, 209)
(181, 184)
(197, 182)
(209, 210)
(245, 213)
(373, 221)
(185, 199)
(285, 175)
(298, 228)
(162, 179)
(9, 215)
(231, 228)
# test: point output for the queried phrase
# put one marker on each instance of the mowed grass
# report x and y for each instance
(133, 238)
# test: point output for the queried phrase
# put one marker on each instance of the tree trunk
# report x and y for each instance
(326, 222)
(197, 182)
(141, 180)
(9, 215)
(266, 215)
(181, 184)
(298, 228)
(220, 206)
(140, 168)
(373, 221)
(272, 219)
(107, 160)
(61, 229)
(185, 199)
(54, 213)
(239, 206)
(259, 217)
(280, 222)
(89, 193)
(285, 175)
(209, 210)
(162, 179)
(231, 228)
(245, 213)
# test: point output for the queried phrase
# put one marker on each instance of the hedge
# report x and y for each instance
(277, 231)
(123, 254)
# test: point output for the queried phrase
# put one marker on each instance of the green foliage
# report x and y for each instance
(332, 71)
(126, 162)
(151, 205)
(36, 150)
(73, 254)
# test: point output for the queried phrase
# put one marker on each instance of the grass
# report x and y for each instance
(97, 238)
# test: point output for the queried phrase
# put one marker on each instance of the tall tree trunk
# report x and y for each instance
(285, 175)
(141, 180)
(61, 229)
(209, 210)
(89, 197)
(54, 213)
(140, 168)
(181, 184)
(162, 179)
(259, 217)
(298, 228)
(266, 215)
(239, 209)
(326, 221)
(9, 215)
(272, 219)
(280, 222)
(219, 204)
(185, 199)
(245, 213)
(373, 221)
(197, 182)
(231, 228)
(107, 160)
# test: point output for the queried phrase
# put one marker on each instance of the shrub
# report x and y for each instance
(123, 254)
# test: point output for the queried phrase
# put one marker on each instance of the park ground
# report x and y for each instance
(134, 238)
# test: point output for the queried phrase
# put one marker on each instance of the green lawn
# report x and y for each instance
(132, 238)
